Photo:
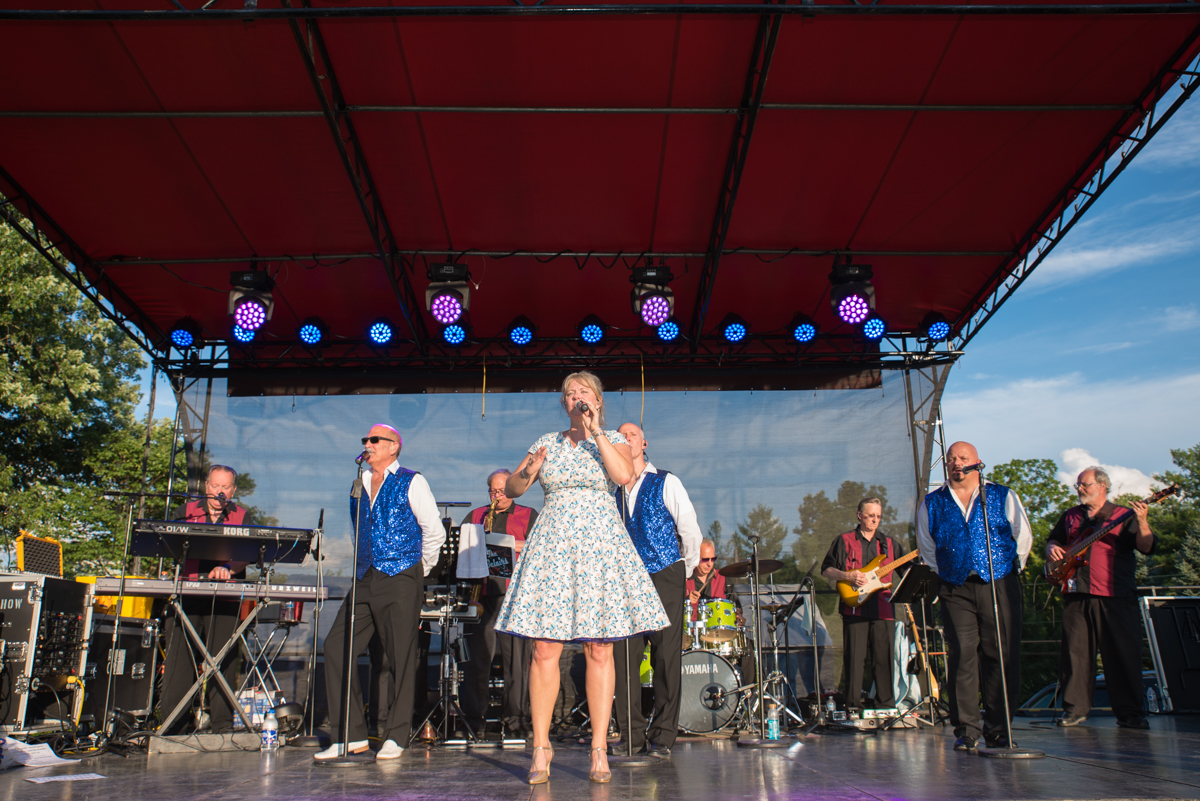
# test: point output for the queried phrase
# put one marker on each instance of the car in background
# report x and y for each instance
(1047, 702)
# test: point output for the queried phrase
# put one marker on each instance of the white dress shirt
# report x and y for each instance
(1014, 512)
(424, 508)
(676, 499)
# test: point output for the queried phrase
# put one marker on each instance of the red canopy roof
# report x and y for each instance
(937, 147)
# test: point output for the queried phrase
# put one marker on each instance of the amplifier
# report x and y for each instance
(1173, 631)
(132, 664)
(45, 623)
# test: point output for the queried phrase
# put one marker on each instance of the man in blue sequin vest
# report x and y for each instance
(950, 533)
(399, 537)
(662, 523)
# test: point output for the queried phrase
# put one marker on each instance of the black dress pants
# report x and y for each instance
(973, 654)
(665, 657)
(857, 633)
(391, 607)
(215, 622)
(1113, 627)
(516, 653)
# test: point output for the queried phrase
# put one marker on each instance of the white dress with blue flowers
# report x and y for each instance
(579, 577)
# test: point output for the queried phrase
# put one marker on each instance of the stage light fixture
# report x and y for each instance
(521, 331)
(454, 334)
(250, 301)
(449, 292)
(311, 332)
(734, 329)
(592, 330)
(380, 332)
(934, 327)
(185, 333)
(669, 330)
(652, 299)
(803, 329)
(852, 294)
(243, 335)
(874, 328)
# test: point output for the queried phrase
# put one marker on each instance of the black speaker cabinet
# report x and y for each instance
(132, 666)
(1173, 629)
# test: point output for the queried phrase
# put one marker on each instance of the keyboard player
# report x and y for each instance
(215, 620)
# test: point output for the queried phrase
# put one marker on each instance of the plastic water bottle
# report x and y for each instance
(270, 732)
(773, 722)
(830, 707)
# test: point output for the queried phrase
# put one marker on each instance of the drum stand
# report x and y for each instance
(761, 741)
(448, 679)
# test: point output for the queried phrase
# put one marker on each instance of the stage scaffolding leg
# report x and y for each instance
(923, 387)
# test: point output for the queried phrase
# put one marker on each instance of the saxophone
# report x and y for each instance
(476, 591)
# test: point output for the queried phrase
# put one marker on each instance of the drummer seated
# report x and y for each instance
(706, 583)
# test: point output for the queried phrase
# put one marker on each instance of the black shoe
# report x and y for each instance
(1135, 722)
(621, 748)
(1066, 721)
(999, 740)
(659, 752)
(964, 744)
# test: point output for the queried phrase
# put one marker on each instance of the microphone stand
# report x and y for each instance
(311, 739)
(761, 741)
(1010, 751)
(346, 759)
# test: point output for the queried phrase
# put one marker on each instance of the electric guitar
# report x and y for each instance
(876, 572)
(1061, 571)
(920, 663)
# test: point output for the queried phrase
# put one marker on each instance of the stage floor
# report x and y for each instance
(1094, 761)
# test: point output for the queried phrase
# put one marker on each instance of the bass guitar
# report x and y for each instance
(1061, 571)
(876, 572)
(920, 663)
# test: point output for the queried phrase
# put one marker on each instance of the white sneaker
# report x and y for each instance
(389, 751)
(337, 750)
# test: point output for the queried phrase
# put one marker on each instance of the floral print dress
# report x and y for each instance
(579, 577)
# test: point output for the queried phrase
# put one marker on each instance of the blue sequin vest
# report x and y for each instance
(650, 525)
(389, 537)
(961, 547)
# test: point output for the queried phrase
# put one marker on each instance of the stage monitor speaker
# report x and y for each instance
(1173, 630)
(133, 664)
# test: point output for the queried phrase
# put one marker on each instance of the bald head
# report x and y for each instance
(637, 442)
(384, 449)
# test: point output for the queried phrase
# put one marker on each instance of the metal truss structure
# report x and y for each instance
(923, 387)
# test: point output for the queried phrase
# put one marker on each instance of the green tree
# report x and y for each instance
(822, 518)
(1044, 497)
(721, 545)
(763, 523)
(1177, 518)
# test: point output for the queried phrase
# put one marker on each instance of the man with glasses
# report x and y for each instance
(662, 523)
(500, 516)
(706, 583)
(873, 622)
(1100, 605)
(951, 535)
(215, 620)
(400, 535)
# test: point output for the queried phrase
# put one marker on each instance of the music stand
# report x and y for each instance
(918, 584)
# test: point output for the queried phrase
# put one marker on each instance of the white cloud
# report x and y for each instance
(1181, 318)
(1108, 251)
(1177, 144)
(1124, 479)
(1130, 420)
(1104, 347)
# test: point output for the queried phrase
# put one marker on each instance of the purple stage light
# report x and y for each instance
(250, 314)
(854, 309)
(446, 307)
(655, 309)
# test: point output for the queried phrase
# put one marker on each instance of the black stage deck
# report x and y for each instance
(1094, 761)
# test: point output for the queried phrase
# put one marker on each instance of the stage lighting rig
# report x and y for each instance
(311, 332)
(185, 334)
(380, 332)
(243, 335)
(449, 292)
(521, 331)
(454, 334)
(652, 299)
(803, 329)
(592, 330)
(734, 329)
(874, 328)
(250, 301)
(669, 331)
(852, 294)
(935, 328)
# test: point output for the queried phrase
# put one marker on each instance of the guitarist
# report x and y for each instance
(1099, 604)
(872, 622)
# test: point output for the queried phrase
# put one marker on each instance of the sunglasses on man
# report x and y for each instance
(376, 440)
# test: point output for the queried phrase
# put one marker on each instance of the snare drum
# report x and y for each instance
(720, 620)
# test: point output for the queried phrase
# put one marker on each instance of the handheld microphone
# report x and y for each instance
(361, 457)
(974, 468)
(583, 407)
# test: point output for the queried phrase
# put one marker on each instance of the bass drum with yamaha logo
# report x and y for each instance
(708, 701)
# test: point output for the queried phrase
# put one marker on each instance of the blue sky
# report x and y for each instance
(1094, 359)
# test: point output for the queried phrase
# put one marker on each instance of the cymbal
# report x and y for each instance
(772, 607)
(739, 569)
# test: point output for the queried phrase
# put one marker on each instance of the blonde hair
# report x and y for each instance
(591, 382)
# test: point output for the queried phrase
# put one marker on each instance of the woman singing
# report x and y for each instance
(579, 578)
